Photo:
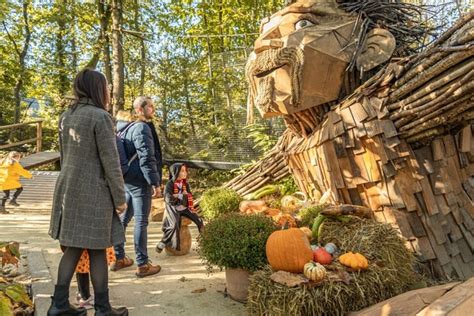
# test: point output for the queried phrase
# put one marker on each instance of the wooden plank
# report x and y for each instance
(468, 236)
(349, 139)
(371, 166)
(450, 146)
(355, 197)
(422, 246)
(358, 112)
(389, 170)
(456, 302)
(437, 147)
(428, 196)
(380, 149)
(403, 149)
(466, 139)
(339, 147)
(368, 108)
(416, 224)
(407, 188)
(392, 142)
(347, 118)
(388, 128)
(433, 224)
(331, 159)
(39, 159)
(442, 205)
(373, 128)
(402, 221)
(339, 128)
(466, 253)
(347, 172)
(394, 194)
(358, 146)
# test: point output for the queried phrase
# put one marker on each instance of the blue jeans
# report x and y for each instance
(139, 205)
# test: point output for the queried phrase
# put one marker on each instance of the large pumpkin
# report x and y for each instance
(288, 250)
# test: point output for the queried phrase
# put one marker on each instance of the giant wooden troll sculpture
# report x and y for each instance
(389, 133)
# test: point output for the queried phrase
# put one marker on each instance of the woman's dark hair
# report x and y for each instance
(91, 84)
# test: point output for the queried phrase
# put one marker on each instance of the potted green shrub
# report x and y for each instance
(218, 201)
(236, 242)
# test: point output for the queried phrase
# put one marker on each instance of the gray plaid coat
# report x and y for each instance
(90, 184)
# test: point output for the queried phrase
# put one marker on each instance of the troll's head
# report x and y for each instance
(306, 51)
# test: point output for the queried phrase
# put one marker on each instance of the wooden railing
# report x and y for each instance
(38, 139)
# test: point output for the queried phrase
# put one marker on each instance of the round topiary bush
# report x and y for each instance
(218, 201)
(236, 241)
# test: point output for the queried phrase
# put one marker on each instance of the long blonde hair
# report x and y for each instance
(9, 158)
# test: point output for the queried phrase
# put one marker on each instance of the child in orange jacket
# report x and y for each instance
(10, 172)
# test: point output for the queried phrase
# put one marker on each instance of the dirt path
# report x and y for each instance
(168, 293)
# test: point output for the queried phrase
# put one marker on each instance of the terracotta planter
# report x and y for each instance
(237, 284)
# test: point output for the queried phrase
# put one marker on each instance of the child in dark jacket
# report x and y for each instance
(179, 202)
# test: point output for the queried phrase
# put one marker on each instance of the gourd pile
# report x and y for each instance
(344, 263)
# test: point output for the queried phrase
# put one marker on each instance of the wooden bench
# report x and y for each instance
(39, 159)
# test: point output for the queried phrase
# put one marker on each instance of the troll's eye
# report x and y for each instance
(303, 23)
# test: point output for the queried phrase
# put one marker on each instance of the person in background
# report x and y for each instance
(179, 203)
(142, 183)
(89, 194)
(10, 172)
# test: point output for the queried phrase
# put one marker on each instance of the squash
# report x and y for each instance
(322, 256)
(355, 261)
(250, 207)
(307, 232)
(290, 204)
(331, 248)
(288, 250)
(314, 271)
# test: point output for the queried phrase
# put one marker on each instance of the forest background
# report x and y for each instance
(188, 55)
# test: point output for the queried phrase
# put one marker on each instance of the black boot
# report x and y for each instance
(60, 303)
(103, 308)
(2, 206)
(14, 202)
(3, 210)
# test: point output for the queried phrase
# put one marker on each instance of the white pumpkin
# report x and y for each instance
(314, 271)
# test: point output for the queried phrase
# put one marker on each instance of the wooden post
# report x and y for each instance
(39, 136)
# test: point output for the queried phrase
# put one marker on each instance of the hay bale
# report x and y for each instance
(390, 273)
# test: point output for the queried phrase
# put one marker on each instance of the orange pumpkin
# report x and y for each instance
(288, 250)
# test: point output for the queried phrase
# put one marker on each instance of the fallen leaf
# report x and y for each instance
(288, 279)
(340, 276)
(202, 290)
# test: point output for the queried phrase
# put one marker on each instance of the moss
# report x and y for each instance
(218, 201)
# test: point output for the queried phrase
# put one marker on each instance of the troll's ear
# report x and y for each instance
(377, 49)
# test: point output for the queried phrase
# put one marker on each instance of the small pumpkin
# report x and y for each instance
(307, 232)
(314, 271)
(355, 261)
(322, 256)
(331, 248)
(288, 250)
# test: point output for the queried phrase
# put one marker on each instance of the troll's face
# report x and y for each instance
(300, 57)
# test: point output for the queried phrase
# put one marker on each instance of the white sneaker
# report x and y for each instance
(87, 304)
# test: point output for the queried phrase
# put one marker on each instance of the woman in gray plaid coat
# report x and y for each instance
(88, 194)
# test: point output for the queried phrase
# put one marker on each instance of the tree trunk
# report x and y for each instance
(21, 61)
(63, 82)
(74, 34)
(142, 49)
(225, 82)
(118, 93)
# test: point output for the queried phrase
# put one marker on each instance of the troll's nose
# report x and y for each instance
(268, 40)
